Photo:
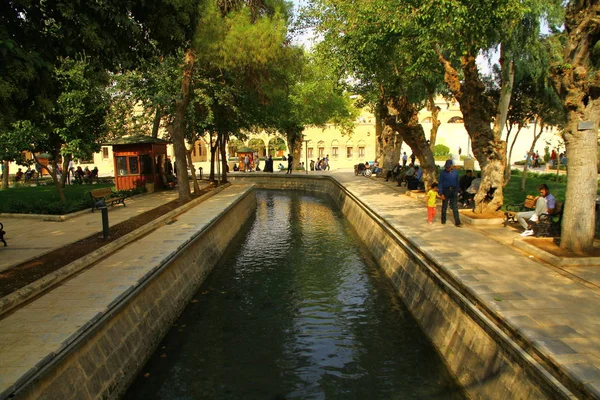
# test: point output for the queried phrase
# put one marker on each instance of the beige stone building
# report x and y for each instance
(345, 151)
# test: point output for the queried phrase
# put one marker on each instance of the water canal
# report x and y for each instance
(296, 309)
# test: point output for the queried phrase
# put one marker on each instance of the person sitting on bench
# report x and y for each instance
(464, 183)
(544, 204)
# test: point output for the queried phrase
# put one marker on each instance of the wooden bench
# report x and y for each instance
(510, 215)
(107, 195)
(550, 224)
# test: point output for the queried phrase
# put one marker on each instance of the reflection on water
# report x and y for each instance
(295, 310)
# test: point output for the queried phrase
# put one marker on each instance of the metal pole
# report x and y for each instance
(104, 222)
(306, 155)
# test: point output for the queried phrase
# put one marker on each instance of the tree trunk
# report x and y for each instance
(508, 79)
(406, 123)
(156, 123)
(65, 175)
(192, 169)
(178, 131)
(536, 136)
(223, 151)
(388, 141)
(577, 83)
(435, 122)
(294, 138)
(477, 113)
(507, 173)
(213, 154)
(57, 184)
(5, 176)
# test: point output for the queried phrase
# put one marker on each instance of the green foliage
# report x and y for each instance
(441, 150)
(45, 200)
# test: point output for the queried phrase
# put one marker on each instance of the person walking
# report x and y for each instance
(290, 160)
(404, 159)
(448, 190)
(327, 168)
(432, 196)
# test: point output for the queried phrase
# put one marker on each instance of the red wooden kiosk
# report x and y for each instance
(139, 160)
(242, 152)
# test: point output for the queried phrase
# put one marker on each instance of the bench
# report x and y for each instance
(549, 224)
(107, 195)
(169, 183)
(510, 215)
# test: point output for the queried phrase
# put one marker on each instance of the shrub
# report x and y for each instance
(441, 150)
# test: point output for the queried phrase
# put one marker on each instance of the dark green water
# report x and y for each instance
(295, 310)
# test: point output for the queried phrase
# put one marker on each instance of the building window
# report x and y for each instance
(361, 152)
(146, 164)
(105, 152)
(349, 152)
(334, 152)
(194, 151)
(321, 152)
(134, 168)
(122, 166)
(310, 152)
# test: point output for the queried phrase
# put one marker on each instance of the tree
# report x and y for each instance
(38, 38)
(74, 126)
(576, 80)
(373, 48)
(459, 31)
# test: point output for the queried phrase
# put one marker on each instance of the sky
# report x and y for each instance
(307, 37)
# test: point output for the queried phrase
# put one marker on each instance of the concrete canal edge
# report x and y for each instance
(109, 351)
(487, 356)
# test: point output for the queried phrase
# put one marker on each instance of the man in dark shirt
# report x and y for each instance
(448, 189)
(290, 160)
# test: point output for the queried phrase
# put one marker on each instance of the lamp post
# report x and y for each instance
(306, 155)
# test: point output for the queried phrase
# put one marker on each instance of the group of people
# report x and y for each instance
(410, 176)
(84, 175)
(75, 175)
(322, 164)
(556, 158)
(450, 189)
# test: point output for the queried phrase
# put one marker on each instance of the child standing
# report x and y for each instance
(432, 196)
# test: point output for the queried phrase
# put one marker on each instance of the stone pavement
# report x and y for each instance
(51, 322)
(556, 310)
(29, 238)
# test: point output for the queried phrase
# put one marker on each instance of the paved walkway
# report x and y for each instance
(558, 313)
(51, 322)
(30, 238)
(557, 310)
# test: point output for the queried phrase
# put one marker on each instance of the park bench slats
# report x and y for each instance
(107, 195)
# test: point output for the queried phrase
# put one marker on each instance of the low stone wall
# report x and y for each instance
(103, 361)
(484, 358)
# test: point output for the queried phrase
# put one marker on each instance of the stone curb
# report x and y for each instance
(479, 221)
(522, 244)
(24, 294)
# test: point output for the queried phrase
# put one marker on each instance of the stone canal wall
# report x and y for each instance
(103, 361)
(485, 359)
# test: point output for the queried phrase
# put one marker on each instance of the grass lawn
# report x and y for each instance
(45, 200)
(514, 195)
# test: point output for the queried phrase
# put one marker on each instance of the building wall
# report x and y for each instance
(362, 142)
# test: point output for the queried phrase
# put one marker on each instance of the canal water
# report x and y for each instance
(295, 310)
